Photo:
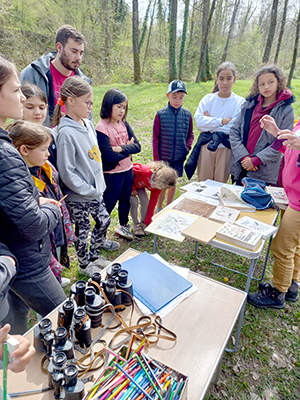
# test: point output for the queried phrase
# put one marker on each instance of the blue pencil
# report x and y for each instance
(132, 380)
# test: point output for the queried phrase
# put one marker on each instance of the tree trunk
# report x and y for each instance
(187, 56)
(183, 38)
(135, 42)
(149, 34)
(281, 31)
(295, 52)
(236, 6)
(172, 40)
(273, 21)
(202, 61)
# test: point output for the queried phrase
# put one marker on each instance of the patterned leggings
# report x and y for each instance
(80, 213)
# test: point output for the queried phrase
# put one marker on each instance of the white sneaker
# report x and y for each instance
(89, 270)
(64, 282)
(101, 262)
(124, 231)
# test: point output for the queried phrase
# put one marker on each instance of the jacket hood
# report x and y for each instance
(70, 123)
(42, 64)
(286, 95)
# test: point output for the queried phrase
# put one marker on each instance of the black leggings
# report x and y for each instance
(119, 188)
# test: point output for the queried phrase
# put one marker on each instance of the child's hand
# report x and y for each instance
(247, 164)
(22, 355)
(130, 141)
(292, 141)
(45, 200)
(134, 193)
(226, 121)
(268, 123)
(117, 149)
(206, 114)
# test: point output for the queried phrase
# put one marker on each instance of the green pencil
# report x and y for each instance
(5, 359)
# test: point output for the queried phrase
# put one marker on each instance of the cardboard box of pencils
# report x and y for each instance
(137, 378)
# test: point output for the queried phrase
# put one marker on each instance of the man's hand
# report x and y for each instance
(22, 355)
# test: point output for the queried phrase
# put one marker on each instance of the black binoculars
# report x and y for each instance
(64, 380)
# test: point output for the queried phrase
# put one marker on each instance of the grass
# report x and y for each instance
(267, 362)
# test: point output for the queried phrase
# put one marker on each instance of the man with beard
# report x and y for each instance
(51, 70)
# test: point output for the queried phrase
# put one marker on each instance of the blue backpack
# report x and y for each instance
(255, 194)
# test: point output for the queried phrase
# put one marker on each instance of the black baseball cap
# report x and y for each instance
(177, 86)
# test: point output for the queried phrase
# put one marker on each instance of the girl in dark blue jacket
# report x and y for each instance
(25, 221)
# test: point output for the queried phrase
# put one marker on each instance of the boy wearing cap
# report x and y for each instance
(172, 134)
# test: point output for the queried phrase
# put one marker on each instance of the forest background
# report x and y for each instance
(168, 39)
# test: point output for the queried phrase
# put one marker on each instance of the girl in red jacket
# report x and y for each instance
(156, 176)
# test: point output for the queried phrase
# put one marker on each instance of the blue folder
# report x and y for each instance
(154, 284)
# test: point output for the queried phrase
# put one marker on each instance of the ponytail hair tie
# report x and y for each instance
(60, 102)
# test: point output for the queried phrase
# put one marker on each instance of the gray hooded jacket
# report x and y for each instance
(38, 72)
(79, 161)
(284, 117)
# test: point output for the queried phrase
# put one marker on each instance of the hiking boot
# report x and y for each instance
(138, 230)
(291, 294)
(109, 245)
(124, 231)
(267, 297)
(144, 226)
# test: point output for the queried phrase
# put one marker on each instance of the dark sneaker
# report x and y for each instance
(292, 293)
(124, 231)
(267, 297)
(109, 245)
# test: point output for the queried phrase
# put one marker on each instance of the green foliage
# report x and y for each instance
(27, 30)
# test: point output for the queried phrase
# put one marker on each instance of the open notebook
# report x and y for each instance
(154, 283)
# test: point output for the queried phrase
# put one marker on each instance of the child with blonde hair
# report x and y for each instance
(80, 168)
(155, 177)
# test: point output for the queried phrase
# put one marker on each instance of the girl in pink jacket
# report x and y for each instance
(286, 245)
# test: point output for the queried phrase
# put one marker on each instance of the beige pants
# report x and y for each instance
(286, 251)
(214, 164)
